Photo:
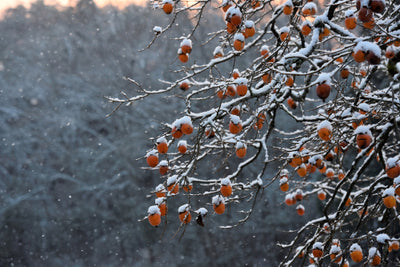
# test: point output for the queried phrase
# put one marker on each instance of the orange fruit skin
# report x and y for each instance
(168, 8)
(376, 260)
(230, 28)
(154, 219)
(284, 36)
(393, 172)
(350, 23)
(235, 111)
(249, 32)
(287, 10)
(184, 86)
(291, 103)
(241, 152)
(226, 190)
(160, 194)
(267, 78)
(335, 256)
(284, 187)
(163, 170)
(219, 209)
(255, 4)
(173, 188)
(322, 196)
(364, 14)
(325, 134)
(183, 58)
(187, 188)
(235, 128)
(163, 209)
(344, 73)
(359, 56)
(356, 256)
(317, 253)
(185, 217)
(231, 91)
(182, 149)
(395, 245)
(186, 49)
(306, 30)
(241, 89)
(323, 90)
(300, 212)
(186, 129)
(389, 202)
(302, 172)
(363, 140)
(238, 45)
(397, 190)
(152, 160)
(162, 148)
(289, 81)
(176, 133)
(236, 20)
(226, 7)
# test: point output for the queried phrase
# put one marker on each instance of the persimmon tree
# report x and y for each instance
(329, 70)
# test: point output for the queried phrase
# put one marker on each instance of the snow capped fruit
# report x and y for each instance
(160, 190)
(154, 215)
(235, 125)
(184, 214)
(284, 34)
(283, 184)
(350, 21)
(325, 130)
(288, 8)
(389, 200)
(186, 46)
(226, 187)
(365, 14)
(249, 29)
(356, 253)
(184, 85)
(309, 9)
(234, 16)
(218, 204)
(167, 6)
(183, 57)
(162, 145)
(182, 146)
(241, 150)
(163, 167)
(300, 210)
(364, 137)
(374, 256)
(172, 185)
(160, 202)
(241, 87)
(306, 28)
(317, 249)
(226, 4)
(394, 245)
(238, 42)
(152, 158)
(392, 168)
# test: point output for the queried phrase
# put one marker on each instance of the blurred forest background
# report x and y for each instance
(72, 187)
